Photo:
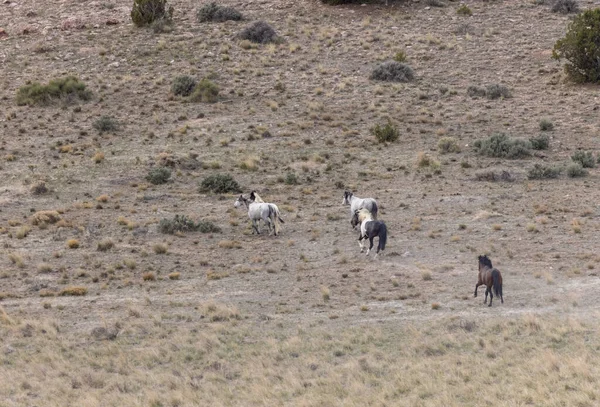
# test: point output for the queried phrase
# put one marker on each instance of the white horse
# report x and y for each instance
(269, 213)
(357, 203)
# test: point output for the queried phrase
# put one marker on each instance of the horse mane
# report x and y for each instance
(255, 197)
(364, 214)
(484, 260)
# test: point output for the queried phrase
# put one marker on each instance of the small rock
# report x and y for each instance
(3, 33)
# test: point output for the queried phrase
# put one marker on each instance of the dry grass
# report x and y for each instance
(230, 244)
(73, 244)
(73, 291)
(16, 259)
(45, 217)
(160, 248)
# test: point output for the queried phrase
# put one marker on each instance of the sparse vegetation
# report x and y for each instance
(493, 91)
(106, 124)
(67, 90)
(105, 245)
(546, 125)
(259, 32)
(214, 12)
(448, 145)
(220, 184)
(181, 223)
(158, 175)
(585, 158)
(541, 142)
(73, 291)
(385, 134)
(464, 10)
(565, 7)
(146, 12)
(501, 146)
(392, 71)
(206, 91)
(540, 171)
(580, 47)
(183, 85)
(576, 170)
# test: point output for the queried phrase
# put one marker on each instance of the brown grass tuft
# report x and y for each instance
(73, 243)
(73, 291)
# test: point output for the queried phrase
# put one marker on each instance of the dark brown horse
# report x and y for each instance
(490, 277)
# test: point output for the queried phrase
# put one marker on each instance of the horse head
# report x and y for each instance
(354, 221)
(347, 197)
(485, 262)
(240, 201)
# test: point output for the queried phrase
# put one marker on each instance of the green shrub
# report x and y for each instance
(581, 47)
(259, 32)
(565, 7)
(106, 124)
(575, 170)
(183, 85)
(385, 134)
(68, 89)
(585, 158)
(181, 223)
(540, 171)
(546, 125)
(464, 10)
(497, 91)
(145, 12)
(392, 71)
(541, 142)
(205, 91)
(502, 146)
(448, 145)
(219, 184)
(214, 12)
(400, 56)
(494, 91)
(158, 175)
(291, 179)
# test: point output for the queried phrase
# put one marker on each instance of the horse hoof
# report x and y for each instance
(490, 305)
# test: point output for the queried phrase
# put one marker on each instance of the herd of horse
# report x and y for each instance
(363, 212)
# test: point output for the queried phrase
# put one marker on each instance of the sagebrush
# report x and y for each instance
(220, 184)
(501, 146)
(68, 89)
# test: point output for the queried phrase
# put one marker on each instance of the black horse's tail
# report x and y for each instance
(374, 210)
(382, 237)
(497, 282)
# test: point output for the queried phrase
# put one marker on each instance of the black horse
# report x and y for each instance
(369, 229)
(491, 278)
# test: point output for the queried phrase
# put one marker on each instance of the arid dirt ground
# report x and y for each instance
(302, 318)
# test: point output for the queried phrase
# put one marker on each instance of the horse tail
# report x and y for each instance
(374, 210)
(497, 282)
(382, 237)
(275, 217)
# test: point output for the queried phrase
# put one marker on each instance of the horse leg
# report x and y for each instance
(491, 296)
(255, 227)
(487, 290)
(360, 243)
(476, 285)
(370, 245)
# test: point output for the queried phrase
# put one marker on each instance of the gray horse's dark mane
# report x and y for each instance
(484, 260)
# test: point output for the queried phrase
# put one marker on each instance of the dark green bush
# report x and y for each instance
(575, 170)
(502, 146)
(565, 7)
(392, 71)
(540, 171)
(183, 85)
(219, 184)
(205, 91)
(158, 175)
(181, 223)
(475, 91)
(541, 142)
(106, 124)
(581, 47)
(291, 179)
(68, 89)
(214, 12)
(385, 134)
(259, 32)
(585, 158)
(145, 12)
